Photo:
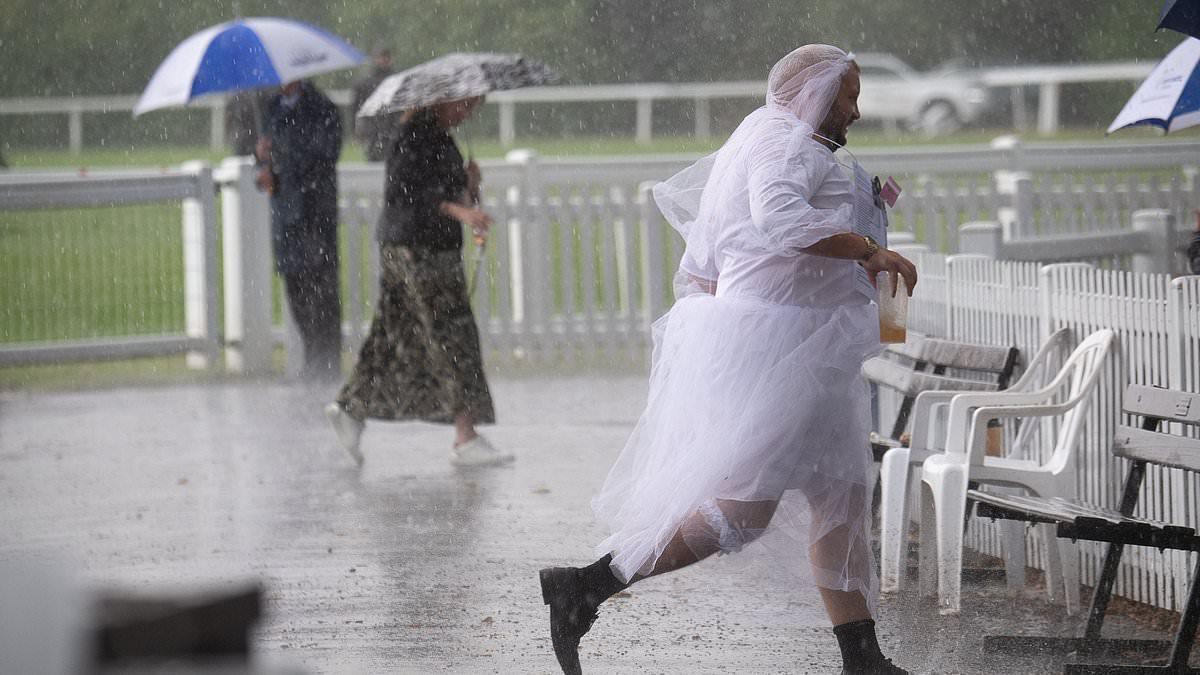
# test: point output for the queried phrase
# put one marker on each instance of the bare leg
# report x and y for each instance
(681, 552)
(464, 429)
(844, 606)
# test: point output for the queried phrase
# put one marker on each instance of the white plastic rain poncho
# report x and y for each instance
(755, 393)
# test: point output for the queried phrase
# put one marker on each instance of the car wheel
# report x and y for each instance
(938, 118)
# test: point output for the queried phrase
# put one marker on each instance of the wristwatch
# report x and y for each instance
(872, 248)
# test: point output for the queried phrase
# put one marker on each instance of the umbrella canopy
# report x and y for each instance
(453, 77)
(1182, 16)
(244, 54)
(1170, 97)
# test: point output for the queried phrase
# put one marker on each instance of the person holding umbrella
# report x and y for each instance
(422, 359)
(297, 156)
(297, 151)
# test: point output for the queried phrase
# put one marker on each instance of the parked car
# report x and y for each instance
(935, 102)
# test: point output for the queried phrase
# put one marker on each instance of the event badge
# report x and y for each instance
(870, 216)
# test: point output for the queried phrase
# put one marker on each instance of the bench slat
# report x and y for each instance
(1160, 448)
(965, 355)
(910, 382)
(1169, 404)
(1058, 509)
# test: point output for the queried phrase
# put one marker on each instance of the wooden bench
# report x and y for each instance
(1119, 528)
(921, 364)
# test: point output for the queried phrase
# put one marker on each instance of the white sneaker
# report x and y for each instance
(349, 430)
(478, 452)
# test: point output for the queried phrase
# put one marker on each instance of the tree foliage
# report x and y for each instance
(78, 47)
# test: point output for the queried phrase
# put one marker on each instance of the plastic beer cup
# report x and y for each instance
(893, 309)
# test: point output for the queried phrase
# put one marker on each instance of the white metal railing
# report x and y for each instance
(579, 259)
(1048, 80)
(33, 306)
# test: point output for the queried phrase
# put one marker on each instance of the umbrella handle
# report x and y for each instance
(479, 257)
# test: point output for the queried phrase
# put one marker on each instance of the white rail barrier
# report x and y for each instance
(579, 259)
(1048, 80)
(37, 311)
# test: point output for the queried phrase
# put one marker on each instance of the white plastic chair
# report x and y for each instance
(900, 467)
(944, 476)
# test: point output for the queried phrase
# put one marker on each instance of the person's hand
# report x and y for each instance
(265, 180)
(480, 222)
(475, 218)
(1196, 213)
(895, 265)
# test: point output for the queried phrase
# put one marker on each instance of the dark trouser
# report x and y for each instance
(317, 310)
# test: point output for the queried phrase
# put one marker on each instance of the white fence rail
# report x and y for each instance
(42, 230)
(579, 258)
(1048, 80)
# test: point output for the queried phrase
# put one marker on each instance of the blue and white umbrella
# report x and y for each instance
(1170, 97)
(245, 54)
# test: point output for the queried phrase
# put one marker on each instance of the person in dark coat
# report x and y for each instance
(374, 133)
(422, 359)
(298, 153)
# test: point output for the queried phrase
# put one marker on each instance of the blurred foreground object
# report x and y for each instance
(1182, 16)
(1170, 97)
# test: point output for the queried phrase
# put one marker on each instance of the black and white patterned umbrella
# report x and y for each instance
(452, 77)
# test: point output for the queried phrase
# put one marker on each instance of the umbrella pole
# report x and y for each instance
(479, 261)
(481, 246)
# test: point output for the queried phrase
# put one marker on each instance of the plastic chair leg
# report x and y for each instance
(1013, 533)
(1054, 569)
(927, 547)
(949, 492)
(893, 515)
(1069, 554)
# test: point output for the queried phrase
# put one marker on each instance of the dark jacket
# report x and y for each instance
(306, 139)
(424, 169)
(1193, 254)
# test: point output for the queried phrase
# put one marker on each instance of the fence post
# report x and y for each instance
(703, 119)
(654, 291)
(75, 129)
(982, 238)
(508, 124)
(645, 119)
(200, 265)
(1048, 108)
(1016, 184)
(246, 244)
(529, 242)
(1157, 230)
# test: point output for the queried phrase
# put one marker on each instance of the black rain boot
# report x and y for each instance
(860, 650)
(574, 594)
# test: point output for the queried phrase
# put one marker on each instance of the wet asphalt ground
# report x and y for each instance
(410, 565)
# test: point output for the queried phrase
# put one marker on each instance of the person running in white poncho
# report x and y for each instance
(756, 422)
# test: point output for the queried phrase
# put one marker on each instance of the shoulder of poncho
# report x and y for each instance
(799, 147)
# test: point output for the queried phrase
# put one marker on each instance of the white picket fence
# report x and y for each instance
(1157, 320)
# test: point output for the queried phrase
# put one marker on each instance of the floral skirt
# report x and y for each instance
(421, 359)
